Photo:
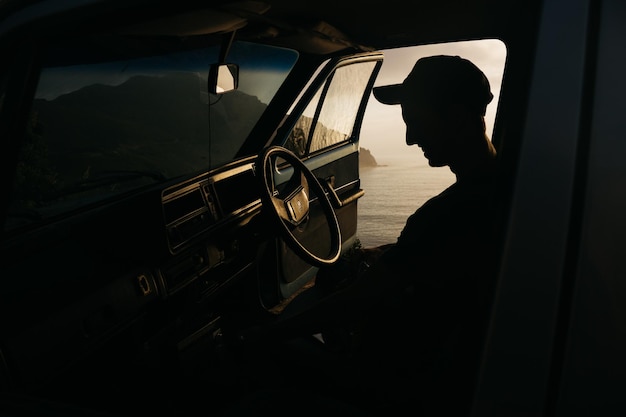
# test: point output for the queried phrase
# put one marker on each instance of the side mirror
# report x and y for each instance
(223, 78)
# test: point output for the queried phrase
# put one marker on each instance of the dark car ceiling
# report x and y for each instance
(326, 26)
(393, 23)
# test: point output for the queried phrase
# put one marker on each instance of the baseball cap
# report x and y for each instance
(438, 80)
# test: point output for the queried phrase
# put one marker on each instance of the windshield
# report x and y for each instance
(109, 117)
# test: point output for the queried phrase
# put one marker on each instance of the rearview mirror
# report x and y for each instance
(223, 78)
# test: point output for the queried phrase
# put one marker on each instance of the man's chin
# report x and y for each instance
(432, 161)
(436, 164)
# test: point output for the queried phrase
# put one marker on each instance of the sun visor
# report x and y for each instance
(317, 38)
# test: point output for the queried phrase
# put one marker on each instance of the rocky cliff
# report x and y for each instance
(366, 159)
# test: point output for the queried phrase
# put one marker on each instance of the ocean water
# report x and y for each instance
(393, 191)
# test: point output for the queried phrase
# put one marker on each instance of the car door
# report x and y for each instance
(323, 129)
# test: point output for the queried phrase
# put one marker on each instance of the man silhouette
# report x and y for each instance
(427, 295)
(443, 101)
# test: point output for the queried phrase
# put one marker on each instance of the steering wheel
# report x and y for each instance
(289, 207)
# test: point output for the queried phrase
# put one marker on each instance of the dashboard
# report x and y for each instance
(203, 218)
(150, 267)
(190, 209)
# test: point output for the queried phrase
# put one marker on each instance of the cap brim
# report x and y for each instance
(389, 94)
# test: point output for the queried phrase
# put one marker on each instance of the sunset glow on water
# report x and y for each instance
(393, 191)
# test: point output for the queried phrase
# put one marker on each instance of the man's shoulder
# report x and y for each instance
(474, 192)
(456, 205)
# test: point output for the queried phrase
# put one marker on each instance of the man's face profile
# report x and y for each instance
(428, 128)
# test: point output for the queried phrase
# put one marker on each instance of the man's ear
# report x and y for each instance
(458, 111)
(462, 117)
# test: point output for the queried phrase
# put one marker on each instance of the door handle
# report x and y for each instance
(328, 185)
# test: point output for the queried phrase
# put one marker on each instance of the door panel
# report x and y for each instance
(325, 134)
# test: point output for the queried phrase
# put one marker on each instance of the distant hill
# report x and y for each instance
(146, 123)
(366, 159)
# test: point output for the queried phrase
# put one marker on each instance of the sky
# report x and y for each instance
(383, 130)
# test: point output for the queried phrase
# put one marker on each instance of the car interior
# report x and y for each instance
(178, 172)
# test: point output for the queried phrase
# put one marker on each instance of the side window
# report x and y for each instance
(330, 116)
